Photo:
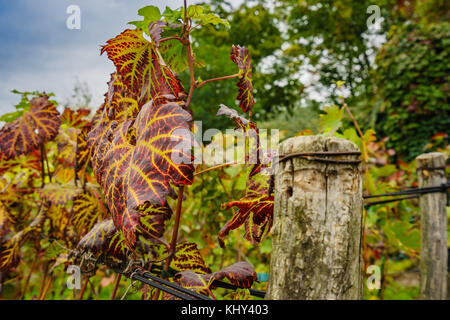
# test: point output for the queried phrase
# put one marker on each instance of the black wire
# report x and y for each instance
(390, 200)
(176, 287)
(216, 283)
(175, 293)
(441, 188)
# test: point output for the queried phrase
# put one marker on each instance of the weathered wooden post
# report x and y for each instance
(316, 236)
(433, 254)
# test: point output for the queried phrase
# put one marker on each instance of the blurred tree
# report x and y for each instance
(81, 96)
(335, 40)
(412, 78)
(254, 27)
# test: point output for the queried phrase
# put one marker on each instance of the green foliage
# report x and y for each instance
(413, 77)
(331, 38)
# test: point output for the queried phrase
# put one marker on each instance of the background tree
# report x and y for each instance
(413, 79)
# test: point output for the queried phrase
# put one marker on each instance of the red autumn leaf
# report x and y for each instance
(31, 161)
(241, 274)
(188, 257)
(140, 64)
(134, 162)
(40, 123)
(251, 132)
(255, 210)
(66, 146)
(241, 57)
(75, 118)
(103, 238)
(140, 166)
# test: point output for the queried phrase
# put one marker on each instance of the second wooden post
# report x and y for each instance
(433, 256)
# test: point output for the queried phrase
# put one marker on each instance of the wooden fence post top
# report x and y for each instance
(317, 226)
(435, 160)
(316, 144)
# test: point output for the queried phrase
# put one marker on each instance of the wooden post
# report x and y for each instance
(433, 254)
(316, 236)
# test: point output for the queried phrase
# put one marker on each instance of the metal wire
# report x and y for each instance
(173, 292)
(410, 193)
(215, 283)
(176, 287)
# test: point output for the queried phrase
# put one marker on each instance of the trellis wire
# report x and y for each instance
(412, 193)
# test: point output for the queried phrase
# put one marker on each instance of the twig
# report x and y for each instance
(83, 289)
(217, 167)
(116, 286)
(199, 85)
(25, 286)
(42, 165)
(172, 38)
(47, 286)
(176, 226)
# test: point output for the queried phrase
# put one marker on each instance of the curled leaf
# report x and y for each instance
(154, 30)
(104, 238)
(241, 57)
(255, 210)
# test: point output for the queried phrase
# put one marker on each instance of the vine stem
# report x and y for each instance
(198, 85)
(191, 69)
(27, 280)
(83, 289)
(173, 242)
(116, 285)
(42, 165)
(47, 286)
(171, 38)
(217, 167)
(46, 161)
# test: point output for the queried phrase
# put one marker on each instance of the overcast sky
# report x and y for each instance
(39, 52)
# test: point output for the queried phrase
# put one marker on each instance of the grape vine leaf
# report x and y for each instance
(331, 120)
(86, 211)
(155, 30)
(145, 170)
(59, 194)
(141, 66)
(40, 123)
(188, 257)
(75, 118)
(104, 238)
(133, 161)
(241, 274)
(255, 209)
(10, 249)
(241, 57)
